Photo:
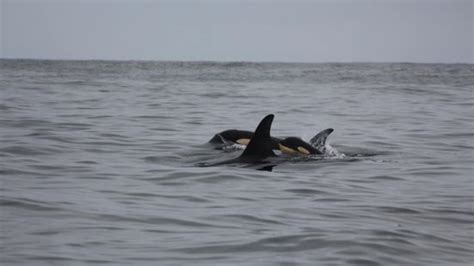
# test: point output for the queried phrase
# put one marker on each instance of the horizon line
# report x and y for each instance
(234, 61)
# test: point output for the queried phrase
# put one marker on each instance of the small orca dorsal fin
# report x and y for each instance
(319, 141)
(260, 146)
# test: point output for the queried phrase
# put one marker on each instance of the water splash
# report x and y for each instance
(234, 147)
(331, 153)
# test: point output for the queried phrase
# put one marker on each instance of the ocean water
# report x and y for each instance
(98, 164)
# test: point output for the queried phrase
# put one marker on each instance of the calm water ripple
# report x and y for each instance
(97, 164)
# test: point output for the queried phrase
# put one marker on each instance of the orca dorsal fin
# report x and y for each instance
(319, 141)
(260, 146)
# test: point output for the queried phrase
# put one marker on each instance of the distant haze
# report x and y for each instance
(284, 31)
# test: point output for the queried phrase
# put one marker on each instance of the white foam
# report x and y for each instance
(234, 146)
(331, 152)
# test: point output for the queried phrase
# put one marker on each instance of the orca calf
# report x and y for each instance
(317, 144)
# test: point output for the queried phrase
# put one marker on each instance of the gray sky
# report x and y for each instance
(288, 31)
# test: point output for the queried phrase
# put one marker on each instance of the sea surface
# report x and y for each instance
(98, 164)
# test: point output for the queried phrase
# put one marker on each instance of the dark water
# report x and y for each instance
(97, 164)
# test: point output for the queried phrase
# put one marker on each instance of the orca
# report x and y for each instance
(295, 145)
(259, 148)
(260, 145)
